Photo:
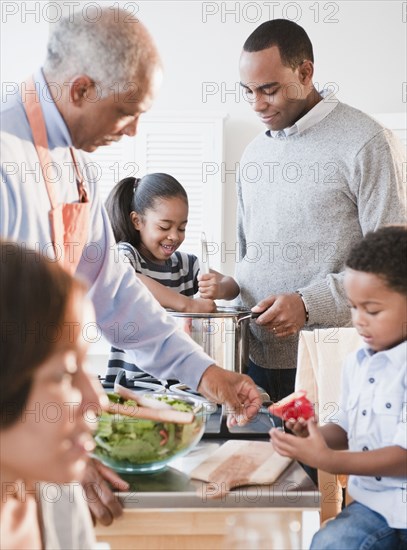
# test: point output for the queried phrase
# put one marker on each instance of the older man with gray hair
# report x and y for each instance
(97, 80)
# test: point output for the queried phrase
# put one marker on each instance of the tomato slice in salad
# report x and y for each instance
(164, 435)
(296, 405)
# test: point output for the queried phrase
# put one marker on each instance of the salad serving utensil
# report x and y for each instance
(141, 400)
(157, 415)
(146, 408)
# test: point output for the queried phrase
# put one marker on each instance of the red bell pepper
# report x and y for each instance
(164, 435)
(295, 405)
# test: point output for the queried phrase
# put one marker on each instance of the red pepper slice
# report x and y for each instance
(295, 405)
(164, 435)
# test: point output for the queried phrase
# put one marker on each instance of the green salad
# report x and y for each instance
(141, 441)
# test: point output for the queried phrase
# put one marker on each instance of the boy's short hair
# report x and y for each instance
(383, 253)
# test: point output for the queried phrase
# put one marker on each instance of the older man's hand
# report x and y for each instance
(237, 391)
(103, 504)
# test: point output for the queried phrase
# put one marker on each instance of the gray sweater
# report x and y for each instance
(303, 201)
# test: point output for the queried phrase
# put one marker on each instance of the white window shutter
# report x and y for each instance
(113, 163)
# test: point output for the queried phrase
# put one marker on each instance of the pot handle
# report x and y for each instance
(251, 315)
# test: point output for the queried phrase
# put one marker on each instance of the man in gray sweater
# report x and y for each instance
(320, 177)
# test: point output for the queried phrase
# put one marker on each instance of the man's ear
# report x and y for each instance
(135, 220)
(306, 72)
(82, 88)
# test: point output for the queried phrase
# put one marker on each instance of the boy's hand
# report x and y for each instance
(208, 285)
(298, 427)
(311, 450)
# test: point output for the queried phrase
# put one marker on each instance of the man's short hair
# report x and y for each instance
(383, 253)
(291, 39)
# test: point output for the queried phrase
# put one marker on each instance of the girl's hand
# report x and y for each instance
(311, 450)
(201, 305)
(215, 286)
(208, 285)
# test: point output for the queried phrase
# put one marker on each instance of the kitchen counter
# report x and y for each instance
(174, 488)
(169, 510)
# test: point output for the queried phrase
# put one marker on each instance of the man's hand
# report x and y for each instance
(237, 391)
(104, 505)
(282, 314)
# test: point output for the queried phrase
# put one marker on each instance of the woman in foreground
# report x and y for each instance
(48, 404)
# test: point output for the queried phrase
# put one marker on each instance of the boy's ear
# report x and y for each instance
(135, 220)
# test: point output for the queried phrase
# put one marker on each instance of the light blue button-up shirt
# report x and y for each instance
(373, 412)
(127, 314)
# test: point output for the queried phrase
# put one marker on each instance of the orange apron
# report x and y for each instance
(69, 222)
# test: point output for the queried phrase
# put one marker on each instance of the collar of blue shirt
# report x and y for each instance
(57, 131)
(315, 115)
(397, 355)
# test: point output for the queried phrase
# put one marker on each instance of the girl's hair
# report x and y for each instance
(34, 295)
(383, 253)
(138, 195)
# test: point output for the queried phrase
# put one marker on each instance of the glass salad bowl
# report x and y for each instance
(135, 445)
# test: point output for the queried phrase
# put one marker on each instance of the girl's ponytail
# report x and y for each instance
(135, 196)
(119, 204)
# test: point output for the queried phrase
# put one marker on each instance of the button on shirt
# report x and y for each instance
(373, 412)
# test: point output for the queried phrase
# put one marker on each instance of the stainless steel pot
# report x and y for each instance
(222, 335)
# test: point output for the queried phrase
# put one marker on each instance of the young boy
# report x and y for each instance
(368, 439)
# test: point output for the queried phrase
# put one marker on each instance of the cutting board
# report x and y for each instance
(241, 462)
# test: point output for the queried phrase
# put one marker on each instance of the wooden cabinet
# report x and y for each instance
(201, 529)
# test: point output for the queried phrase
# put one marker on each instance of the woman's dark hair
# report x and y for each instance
(383, 253)
(292, 41)
(34, 295)
(138, 195)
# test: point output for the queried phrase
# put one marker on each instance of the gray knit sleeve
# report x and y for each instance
(378, 182)
(378, 190)
(326, 302)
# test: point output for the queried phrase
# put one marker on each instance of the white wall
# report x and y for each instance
(23, 38)
(360, 47)
(363, 54)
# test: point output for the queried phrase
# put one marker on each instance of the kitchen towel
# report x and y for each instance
(321, 354)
